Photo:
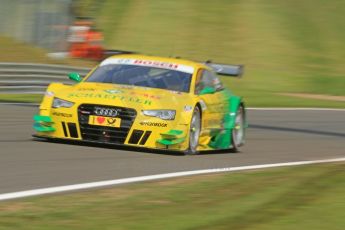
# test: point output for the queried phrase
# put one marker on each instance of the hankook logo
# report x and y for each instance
(108, 112)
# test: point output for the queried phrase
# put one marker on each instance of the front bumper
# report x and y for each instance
(136, 129)
(163, 149)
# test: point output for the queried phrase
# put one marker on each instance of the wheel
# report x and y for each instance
(194, 132)
(238, 132)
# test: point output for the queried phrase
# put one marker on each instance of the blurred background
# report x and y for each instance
(293, 51)
(37, 22)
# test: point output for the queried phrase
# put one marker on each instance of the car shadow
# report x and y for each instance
(110, 146)
(129, 148)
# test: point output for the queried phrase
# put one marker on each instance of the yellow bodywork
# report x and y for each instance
(139, 99)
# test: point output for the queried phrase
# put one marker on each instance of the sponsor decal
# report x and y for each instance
(111, 121)
(187, 108)
(158, 64)
(113, 91)
(105, 121)
(109, 96)
(151, 63)
(86, 89)
(155, 124)
(145, 95)
(100, 120)
(58, 114)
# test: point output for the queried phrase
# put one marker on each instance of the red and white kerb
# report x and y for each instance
(150, 63)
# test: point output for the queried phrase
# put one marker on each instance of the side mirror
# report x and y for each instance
(74, 77)
(207, 90)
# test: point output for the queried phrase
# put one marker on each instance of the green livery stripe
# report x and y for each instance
(172, 134)
(222, 139)
(41, 128)
(171, 142)
(43, 124)
(40, 118)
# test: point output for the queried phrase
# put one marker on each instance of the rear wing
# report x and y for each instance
(226, 70)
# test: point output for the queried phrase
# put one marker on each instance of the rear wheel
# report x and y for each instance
(238, 132)
(194, 132)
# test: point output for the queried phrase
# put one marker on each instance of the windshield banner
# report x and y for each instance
(150, 63)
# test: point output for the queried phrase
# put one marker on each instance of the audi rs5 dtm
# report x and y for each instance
(147, 101)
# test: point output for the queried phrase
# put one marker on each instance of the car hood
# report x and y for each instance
(124, 96)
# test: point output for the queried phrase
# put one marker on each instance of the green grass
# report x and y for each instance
(286, 46)
(304, 197)
(14, 51)
(30, 98)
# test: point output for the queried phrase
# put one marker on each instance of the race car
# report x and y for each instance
(147, 101)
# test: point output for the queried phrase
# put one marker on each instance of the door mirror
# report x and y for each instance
(74, 77)
(207, 90)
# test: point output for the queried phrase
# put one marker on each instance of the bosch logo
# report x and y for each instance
(106, 112)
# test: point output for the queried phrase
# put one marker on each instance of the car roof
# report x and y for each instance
(194, 64)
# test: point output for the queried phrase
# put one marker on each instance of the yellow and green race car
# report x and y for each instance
(146, 101)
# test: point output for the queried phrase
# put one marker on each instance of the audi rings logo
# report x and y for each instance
(106, 112)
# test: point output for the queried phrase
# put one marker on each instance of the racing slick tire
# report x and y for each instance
(194, 132)
(238, 132)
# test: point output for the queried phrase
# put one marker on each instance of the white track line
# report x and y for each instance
(67, 188)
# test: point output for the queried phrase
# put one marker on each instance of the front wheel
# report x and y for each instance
(194, 132)
(238, 132)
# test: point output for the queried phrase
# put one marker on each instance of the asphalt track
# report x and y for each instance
(273, 137)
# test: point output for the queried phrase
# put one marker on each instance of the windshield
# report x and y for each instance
(144, 76)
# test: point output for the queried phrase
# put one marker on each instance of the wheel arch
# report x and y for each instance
(189, 151)
(200, 109)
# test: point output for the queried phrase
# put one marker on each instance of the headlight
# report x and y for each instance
(57, 103)
(162, 114)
